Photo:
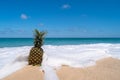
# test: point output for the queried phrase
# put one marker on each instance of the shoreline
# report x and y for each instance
(105, 69)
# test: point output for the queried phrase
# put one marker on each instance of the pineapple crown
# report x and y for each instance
(39, 37)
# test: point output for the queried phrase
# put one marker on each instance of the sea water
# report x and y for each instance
(74, 52)
(18, 42)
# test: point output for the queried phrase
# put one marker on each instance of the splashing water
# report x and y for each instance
(15, 58)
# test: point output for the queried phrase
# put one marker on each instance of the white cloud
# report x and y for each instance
(66, 6)
(24, 16)
(84, 31)
(41, 24)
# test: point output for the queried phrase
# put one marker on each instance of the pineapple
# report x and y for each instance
(36, 53)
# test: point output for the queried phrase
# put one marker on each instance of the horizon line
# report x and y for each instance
(62, 37)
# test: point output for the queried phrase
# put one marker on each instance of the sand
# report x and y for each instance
(27, 73)
(105, 69)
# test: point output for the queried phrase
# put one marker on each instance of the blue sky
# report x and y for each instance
(60, 18)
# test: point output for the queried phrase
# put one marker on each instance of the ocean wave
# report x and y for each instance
(14, 58)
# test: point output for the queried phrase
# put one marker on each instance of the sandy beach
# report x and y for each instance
(59, 39)
(27, 73)
(105, 69)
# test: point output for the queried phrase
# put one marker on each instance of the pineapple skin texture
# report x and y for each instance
(35, 56)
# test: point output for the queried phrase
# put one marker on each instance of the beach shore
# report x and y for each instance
(105, 69)
(27, 73)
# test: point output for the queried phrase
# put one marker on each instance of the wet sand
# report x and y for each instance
(27, 73)
(105, 69)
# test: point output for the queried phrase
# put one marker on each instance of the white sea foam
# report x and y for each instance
(14, 58)
(50, 73)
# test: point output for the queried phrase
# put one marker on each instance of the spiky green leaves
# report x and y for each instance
(39, 37)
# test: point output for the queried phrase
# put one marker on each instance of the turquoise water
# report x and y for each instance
(74, 52)
(15, 42)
